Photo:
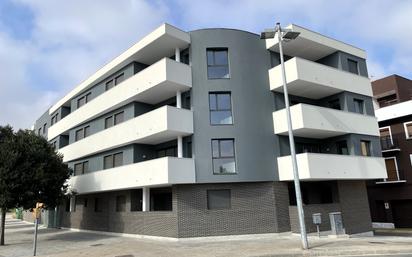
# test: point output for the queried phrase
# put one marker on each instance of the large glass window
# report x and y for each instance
(217, 63)
(81, 168)
(359, 106)
(161, 199)
(113, 160)
(136, 200)
(408, 130)
(220, 106)
(223, 155)
(353, 66)
(82, 133)
(342, 147)
(118, 118)
(218, 199)
(366, 148)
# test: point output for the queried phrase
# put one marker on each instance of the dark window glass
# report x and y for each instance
(109, 84)
(223, 156)
(218, 199)
(108, 122)
(81, 101)
(307, 148)
(217, 63)
(87, 131)
(119, 79)
(85, 167)
(108, 162)
(98, 205)
(79, 134)
(366, 148)
(408, 130)
(353, 66)
(118, 160)
(136, 200)
(78, 169)
(358, 106)
(121, 203)
(85, 202)
(118, 118)
(44, 128)
(342, 147)
(88, 96)
(220, 108)
(170, 151)
(334, 104)
(39, 132)
(161, 199)
(67, 205)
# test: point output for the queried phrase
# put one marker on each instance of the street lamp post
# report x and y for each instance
(290, 35)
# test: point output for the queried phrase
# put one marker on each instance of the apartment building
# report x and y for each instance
(184, 135)
(391, 198)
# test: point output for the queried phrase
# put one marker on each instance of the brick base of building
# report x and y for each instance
(256, 208)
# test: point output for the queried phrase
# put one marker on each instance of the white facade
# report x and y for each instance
(394, 111)
(317, 166)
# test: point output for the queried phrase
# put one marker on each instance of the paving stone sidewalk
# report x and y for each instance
(58, 242)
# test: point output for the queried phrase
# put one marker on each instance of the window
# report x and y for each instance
(82, 133)
(223, 156)
(220, 107)
(44, 128)
(39, 132)
(81, 168)
(98, 205)
(113, 160)
(79, 134)
(217, 63)
(307, 148)
(54, 119)
(391, 169)
(365, 148)
(121, 203)
(321, 192)
(386, 138)
(353, 66)
(161, 199)
(81, 101)
(118, 118)
(387, 100)
(218, 199)
(136, 200)
(342, 147)
(334, 104)
(408, 129)
(85, 202)
(119, 79)
(108, 122)
(109, 84)
(54, 144)
(358, 106)
(170, 151)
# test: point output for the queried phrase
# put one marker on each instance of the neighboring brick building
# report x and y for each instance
(184, 135)
(391, 199)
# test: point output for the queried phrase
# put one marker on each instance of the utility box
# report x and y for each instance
(336, 223)
(317, 218)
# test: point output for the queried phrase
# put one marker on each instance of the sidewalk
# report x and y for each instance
(55, 242)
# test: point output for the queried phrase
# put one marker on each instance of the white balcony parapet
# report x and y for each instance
(157, 172)
(159, 43)
(154, 127)
(394, 111)
(317, 166)
(314, 80)
(152, 85)
(319, 122)
(312, 45)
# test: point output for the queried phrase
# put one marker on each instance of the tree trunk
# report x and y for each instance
(3, 223)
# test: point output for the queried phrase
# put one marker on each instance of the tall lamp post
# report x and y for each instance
(290, 35)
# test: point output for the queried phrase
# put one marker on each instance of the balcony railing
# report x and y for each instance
(388, 143)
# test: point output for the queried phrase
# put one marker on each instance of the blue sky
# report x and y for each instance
(49, 46)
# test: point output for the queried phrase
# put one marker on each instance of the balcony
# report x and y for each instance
(157, 172)
(312, 46)
(317, 166)
(313, 80)
(152, 85)
(157, 126)
(389, 144)
(319, 122)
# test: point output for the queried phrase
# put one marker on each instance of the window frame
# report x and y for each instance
(396, 167)
(82, 165)
(405, 126)
(356, 102)
(112, 156)
(208, 205)
(216, 94)
(357, 66)
(369, 150)
(114, 118)
(217, 49)
(224, 157)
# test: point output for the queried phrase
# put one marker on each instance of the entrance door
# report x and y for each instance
(402, 213)
(391, 169)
